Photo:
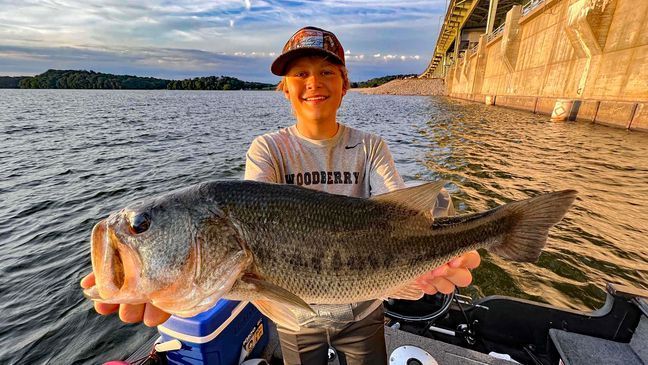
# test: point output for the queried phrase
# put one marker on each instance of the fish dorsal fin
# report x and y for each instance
(420, 198)
(278, 313)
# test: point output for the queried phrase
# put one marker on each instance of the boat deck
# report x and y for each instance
(443, 353)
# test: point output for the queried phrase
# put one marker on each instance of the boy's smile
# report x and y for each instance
(314, 87)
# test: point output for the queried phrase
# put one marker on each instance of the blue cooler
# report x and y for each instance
(226, 334)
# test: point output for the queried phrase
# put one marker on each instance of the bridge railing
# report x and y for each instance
(532, 4)
(495, 33)
(473, 49)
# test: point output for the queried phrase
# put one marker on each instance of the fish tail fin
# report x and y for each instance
(532, 220)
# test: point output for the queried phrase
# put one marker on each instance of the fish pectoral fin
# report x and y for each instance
(409, 291)
(277, 294)
(420, 198)
(278, 313)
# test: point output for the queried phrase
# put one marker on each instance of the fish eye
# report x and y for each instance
(139, 223)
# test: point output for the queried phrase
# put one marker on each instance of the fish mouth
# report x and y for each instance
(116, 266)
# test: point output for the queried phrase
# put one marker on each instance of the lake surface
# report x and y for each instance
(70, 157)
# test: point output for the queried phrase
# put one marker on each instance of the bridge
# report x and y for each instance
(465, 21)
(573, 59)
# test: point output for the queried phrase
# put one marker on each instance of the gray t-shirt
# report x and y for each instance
(352, 163)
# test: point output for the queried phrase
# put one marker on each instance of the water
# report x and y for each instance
(68, 158)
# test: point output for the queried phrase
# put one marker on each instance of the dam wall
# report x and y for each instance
(591, 52)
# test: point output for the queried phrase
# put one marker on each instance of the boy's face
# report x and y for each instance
(314, 88)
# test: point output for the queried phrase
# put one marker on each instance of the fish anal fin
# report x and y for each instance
(409, 291)
(278, 313)
(419, 198)
(277, 294)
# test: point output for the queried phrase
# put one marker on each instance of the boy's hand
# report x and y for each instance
(445, 278)
(129, 313)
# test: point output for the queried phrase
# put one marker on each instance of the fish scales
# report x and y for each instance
(320, 239)
(361, 247)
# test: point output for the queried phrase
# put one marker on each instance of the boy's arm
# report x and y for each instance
(383, 176)
(259, 163)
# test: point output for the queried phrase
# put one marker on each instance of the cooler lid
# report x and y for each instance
(203, 324)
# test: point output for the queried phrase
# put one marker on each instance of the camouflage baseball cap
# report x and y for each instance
(308, 41)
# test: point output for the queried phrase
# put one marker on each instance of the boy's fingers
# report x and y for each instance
(104, 308)
(154, 316)
(438, 284)
(469, 260)
(439, 271)
(131, 313)
(88, 281)
(443, 285)
(460, 277)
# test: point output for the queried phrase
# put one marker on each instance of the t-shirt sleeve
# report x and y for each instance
(383, 176)
(259, 162)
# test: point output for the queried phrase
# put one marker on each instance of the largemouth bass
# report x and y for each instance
(283, 246)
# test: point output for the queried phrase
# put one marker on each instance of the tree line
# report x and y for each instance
(217, 83)
(9, 82)
(75, 79)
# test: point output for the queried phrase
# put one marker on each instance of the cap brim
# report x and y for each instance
(279, 65)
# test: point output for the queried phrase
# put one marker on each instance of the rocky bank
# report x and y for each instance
(408, 87)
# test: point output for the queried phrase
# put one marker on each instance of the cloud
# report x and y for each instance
(165, 63)
(176, 63)
(100, 31)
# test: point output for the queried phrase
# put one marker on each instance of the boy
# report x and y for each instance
(320, 153)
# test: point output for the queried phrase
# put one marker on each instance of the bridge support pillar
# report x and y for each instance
(492, 9)
(510, 44)
(480, 66)
(588, 25)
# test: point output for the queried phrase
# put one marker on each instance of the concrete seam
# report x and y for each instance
(598, 105)
(632, 115)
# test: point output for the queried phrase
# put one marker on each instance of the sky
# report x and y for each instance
(190, 38)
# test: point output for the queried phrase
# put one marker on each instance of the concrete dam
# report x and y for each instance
(573, 59)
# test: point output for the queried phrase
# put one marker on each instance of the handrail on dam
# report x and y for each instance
(526, 9)
(495, 33)
(532, 4)
(472, 49)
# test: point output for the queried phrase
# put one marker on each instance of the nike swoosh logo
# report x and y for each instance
(350, 147)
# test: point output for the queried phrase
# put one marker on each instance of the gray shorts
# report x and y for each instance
(361, 342)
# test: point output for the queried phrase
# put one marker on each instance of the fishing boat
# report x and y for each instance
(437, 329)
